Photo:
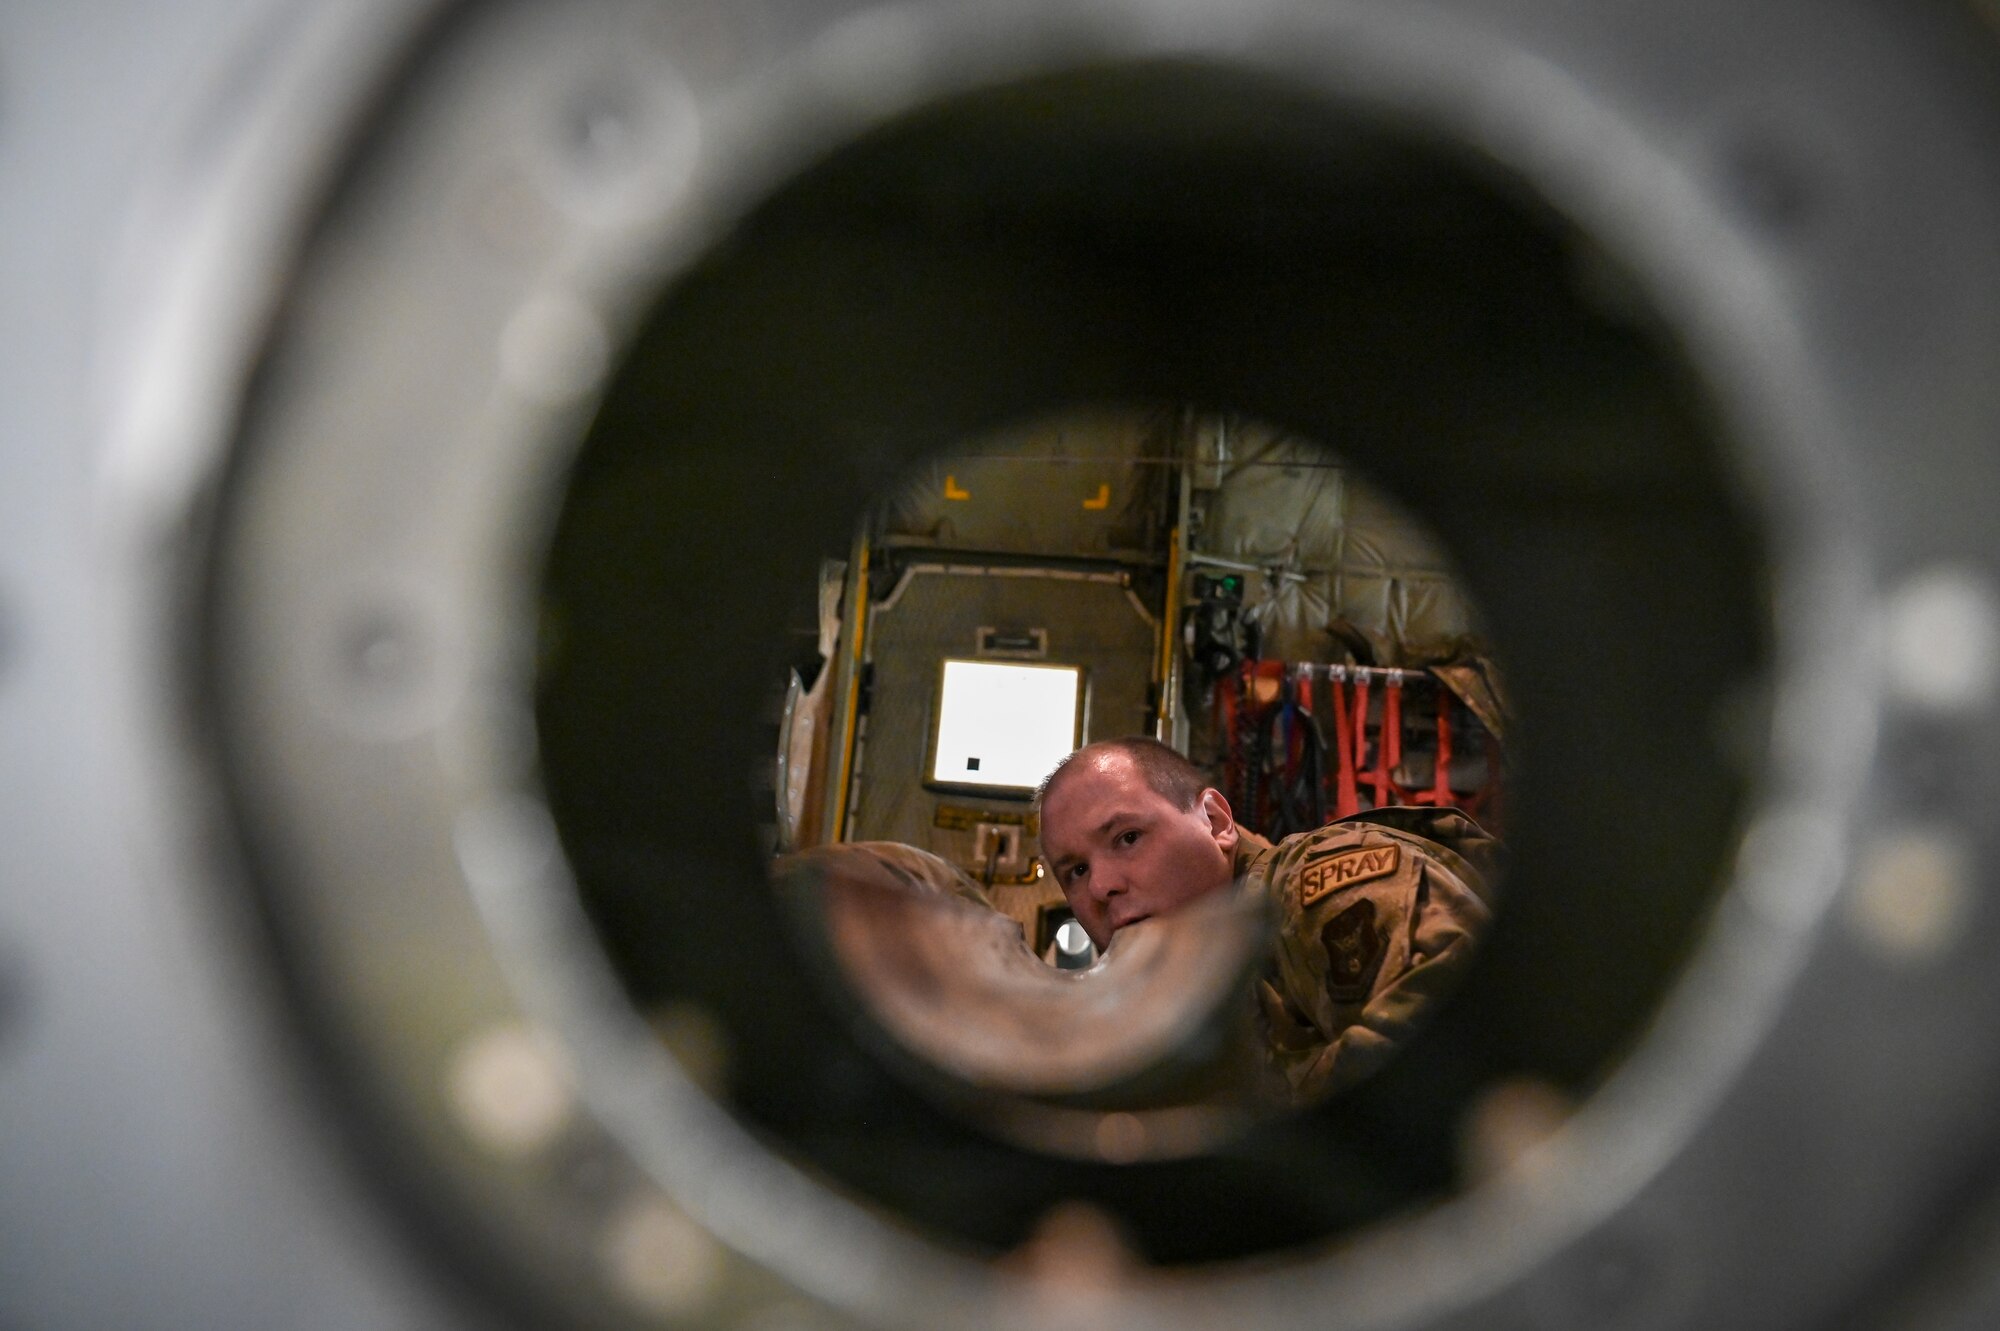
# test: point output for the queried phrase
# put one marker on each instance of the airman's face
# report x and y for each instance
(1122, 852)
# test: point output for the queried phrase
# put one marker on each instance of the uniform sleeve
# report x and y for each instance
(1448, 921)
(1362, 967)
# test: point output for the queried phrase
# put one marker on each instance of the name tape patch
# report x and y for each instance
(1348, 867)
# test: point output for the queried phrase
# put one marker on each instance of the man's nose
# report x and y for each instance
(1109, 882)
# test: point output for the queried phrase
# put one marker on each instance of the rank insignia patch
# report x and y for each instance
(1354, 948)
(1347, 868)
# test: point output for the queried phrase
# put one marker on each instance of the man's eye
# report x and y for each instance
(1127, 838)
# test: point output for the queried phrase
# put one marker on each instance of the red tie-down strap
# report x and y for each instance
(1346, 796)
(1440, 791)
(1250, 721)
(1360, 727)
(1302, 694)
(1389, 746)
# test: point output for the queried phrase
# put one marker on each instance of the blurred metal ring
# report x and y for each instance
(487, 250)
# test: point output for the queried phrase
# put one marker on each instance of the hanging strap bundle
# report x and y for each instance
(1389, 746)
(1346, 795)
(1360, 763)
(1296, 757)
(1283, 772)
(1440, 793)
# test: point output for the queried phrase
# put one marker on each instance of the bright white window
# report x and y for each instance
(1005, 725)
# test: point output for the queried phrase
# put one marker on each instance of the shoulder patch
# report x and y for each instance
(1346, 868)
(1354, 948)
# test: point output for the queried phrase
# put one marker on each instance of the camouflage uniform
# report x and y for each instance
(1377, 918)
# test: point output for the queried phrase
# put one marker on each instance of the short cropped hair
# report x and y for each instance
(1165, 771)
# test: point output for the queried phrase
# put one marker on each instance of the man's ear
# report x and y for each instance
(1221, 821)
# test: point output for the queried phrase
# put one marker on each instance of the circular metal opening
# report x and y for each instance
(1555, 350)
(1166, 231)
(1246, 596)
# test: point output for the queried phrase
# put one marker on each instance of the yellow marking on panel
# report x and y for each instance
(1103, 499)
(951, 490)
(860, 627)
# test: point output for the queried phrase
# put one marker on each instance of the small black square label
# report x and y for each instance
(972, 764)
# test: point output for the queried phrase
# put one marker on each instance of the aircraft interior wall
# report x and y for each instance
(1089, 539)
